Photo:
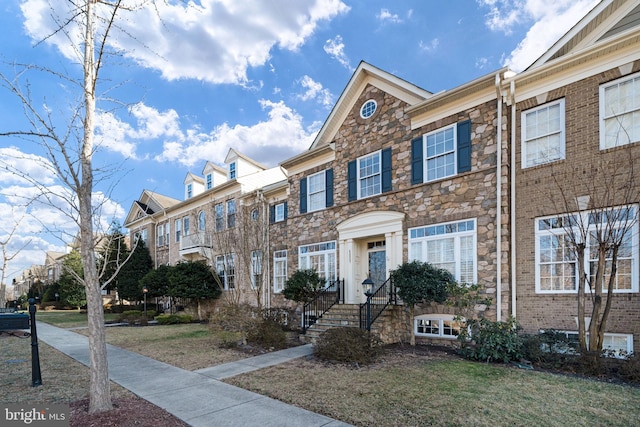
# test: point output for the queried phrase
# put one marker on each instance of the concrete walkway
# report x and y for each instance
(198, 398)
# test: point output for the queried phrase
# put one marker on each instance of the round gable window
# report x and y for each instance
(368, 108)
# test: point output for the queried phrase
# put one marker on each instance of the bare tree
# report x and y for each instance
(597, 226)
(7, 256)
(70, 158)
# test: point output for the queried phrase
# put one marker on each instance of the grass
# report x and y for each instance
(407, 390)
(69, 318)
(401, 389)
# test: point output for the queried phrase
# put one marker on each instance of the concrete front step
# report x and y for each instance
(341, 315)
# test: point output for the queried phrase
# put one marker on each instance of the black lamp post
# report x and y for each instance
(367, 284)
(144, 293)
(36, 377)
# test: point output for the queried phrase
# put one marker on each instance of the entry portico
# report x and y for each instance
(369, 245)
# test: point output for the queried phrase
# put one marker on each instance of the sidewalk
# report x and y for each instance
(198, 398)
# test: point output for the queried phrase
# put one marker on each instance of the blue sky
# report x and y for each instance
(196, 79)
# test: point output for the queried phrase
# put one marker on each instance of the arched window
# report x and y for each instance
(201, 221)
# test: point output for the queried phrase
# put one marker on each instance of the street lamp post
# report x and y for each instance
(144, 293)
(367, 284)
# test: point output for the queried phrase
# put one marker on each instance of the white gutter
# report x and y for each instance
(512, 90)
(499, 202)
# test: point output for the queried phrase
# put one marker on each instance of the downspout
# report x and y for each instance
(512, 90)
(499, 202)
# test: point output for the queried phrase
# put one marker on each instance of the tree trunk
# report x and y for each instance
(99, 390)
(582, 283)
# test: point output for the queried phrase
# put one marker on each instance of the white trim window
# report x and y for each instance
(436, 326)
(231, 213)
(279, 270)
(167, 232)
(232, 170)
(160, 231)
(279, 212)
(225, 268)
(370, 175)
(177, 224)
(209, 179)
(316, 192)
(185, 226)
(440, 149)
(256, 267)
(450, 245)
(543, 134)
(620, 112)
(555, 258)
(189, 191)
(201, 221)
(616, 345)
(320, 257)
(219, 214)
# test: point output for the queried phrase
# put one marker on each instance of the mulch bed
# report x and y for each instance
(126, 412)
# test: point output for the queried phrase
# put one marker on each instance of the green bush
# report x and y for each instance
(351, 345)
(173, 319)
(131, 316)
(302, 286)
(488, 341)
(547, 346)
(268, 334)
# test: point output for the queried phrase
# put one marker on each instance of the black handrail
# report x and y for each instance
(317, 307)
(377, 300)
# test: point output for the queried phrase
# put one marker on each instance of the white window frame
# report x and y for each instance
(231, 213)
(445, 325)
(377, 186)
(618, 352)
(202, 221)
(624, 125)
(368, 109)
(167, 232)
(321, 255)
(233, 170)
(225, 268)
(185, 226)
(279, 213)
(178, 223)
(219, 216)
(160, 234)
(318, 193)
(189, 191)
(428, 157)
(280, 264)
(420, 237)
(256, 265)
(528, 141)
(209, 179)
(555, 229)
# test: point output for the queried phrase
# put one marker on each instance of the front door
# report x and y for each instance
(377, 262)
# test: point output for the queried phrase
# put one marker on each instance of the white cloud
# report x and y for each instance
(212, 40)
(386, 16)
(548, 19)
(429, 46)
(482, 62)
(280, 136)
(335, 48)
(315, 90)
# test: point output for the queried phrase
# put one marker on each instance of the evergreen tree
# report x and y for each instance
(72, 292)
(128, 280)
(157, 281)
(192, 280)
(112, 255)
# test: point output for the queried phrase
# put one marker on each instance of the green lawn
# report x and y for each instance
(69, 318)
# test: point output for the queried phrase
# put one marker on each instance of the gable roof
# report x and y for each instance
(233, 154)
(149, 203)
(606, 19)
(363, 75)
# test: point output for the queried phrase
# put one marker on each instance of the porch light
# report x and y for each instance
(367, 285)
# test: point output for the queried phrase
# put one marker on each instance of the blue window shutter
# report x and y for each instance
(352, 181)
(464, 146)
(272, 214)
(417, 161)
(328, 186)
(286, 210)
(303, 195)
(386, 170)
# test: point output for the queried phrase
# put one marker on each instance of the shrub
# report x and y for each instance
(173, 319)
(302, 286)
(268, 334)
(489, 341)
(131, 316)
(548, 346)
(350, 345)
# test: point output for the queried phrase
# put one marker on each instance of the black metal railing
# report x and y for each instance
(377, 300)
(327, 298)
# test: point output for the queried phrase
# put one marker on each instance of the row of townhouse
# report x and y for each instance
(476, 179)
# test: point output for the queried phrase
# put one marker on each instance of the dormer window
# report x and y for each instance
(189, 191)
(209, 178)
(232, 170)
